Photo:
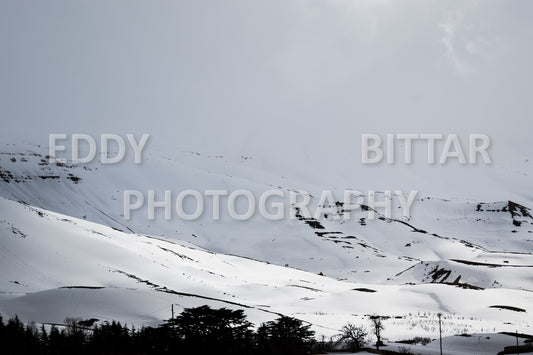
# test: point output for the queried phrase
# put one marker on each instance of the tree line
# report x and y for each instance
(199, 330)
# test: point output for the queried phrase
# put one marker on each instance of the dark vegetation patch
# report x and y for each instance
(363, 289)
(306, 287)
(313, 223)
(416, 340)
(181, 256)
(321, 234)
(468, 286)
(84, 287)
(131, 276)
(16, 231)
(509, 308)
(6, 175)
(45, 177)
(73, 178)
(477, 263)
(439, 274)
(519, 213)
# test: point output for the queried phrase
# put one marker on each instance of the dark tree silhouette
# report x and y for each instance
(285, 336)
(354, 336)
(200, 330)
(377, 328)
(206, 330)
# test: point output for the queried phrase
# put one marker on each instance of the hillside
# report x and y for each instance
(54, 266)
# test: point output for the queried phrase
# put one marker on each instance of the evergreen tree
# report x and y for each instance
(285, 336)
(206, 330)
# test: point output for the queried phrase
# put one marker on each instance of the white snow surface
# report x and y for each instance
(67, 251)
(54, 266)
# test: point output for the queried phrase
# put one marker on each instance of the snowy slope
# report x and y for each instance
(483, 343)
(443, 233)
(54, 266)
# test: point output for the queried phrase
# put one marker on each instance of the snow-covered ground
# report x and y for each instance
(67, 251)
(476, 343)
(54, 266)
(442, 233)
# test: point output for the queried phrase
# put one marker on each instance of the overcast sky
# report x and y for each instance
(275, 79)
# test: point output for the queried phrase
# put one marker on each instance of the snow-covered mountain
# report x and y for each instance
(479, 242)
(55, 266)
(273, 95)
(68, 251)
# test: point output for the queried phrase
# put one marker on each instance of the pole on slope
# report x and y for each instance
(517, 348)
(172, 309)
(440, 332)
